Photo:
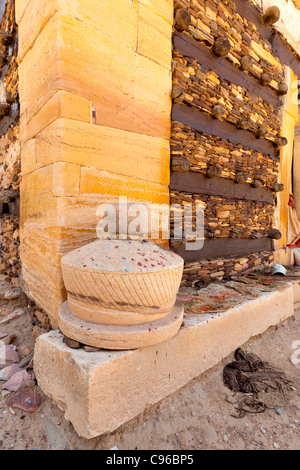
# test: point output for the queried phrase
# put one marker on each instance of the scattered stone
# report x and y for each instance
(277, 446)
(231, 400)
(30, 365)
(71, 343)
(210, 435)
(12, 294)
(18, 381)
(263, 431)
(37, 331)
(26, 360)
(24, 351)
(8, 339)
(31, 383)
(8, 355)
(9, 371)
(15, 314)
(56, 437)
(25, 399)
(279, 411)
(42, 318)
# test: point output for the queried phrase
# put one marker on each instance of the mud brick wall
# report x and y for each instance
(225, 135)
(10, 164)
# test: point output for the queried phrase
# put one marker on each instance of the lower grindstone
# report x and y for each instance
(117, 336)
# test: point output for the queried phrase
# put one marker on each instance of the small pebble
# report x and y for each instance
(91, 349)
(277, 446)
(279, 411)
(231, 400)
(71, 343)
(12, 294)
(25, 361)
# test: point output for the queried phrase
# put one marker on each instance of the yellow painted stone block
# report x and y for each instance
(291, 99)
(62, 104)
(112, 186)
(42, 238)
(20, 7)
(66, 179)
(289, 120)
(121, 152)
(35, 185)
(128, 91)
(39, 73)
(58, 179)
(28, 157)
(115, 18)
(154, 37)
(163, 8)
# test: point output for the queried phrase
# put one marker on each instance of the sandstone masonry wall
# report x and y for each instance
(95, 86)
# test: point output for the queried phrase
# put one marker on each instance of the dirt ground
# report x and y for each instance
(197, 417)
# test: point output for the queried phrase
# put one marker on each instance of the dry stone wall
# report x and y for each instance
(228, 92)
(10, 164)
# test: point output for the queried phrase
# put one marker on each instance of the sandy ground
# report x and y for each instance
(199, 416)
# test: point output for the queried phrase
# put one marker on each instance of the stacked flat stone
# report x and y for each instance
(202, 150)
(121, 294)
(203, 89)
(10, 161)
(209, 97)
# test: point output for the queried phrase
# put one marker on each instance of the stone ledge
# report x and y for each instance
(296, 285)
(99, 392)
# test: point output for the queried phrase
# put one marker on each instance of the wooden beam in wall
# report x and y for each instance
(284, 52)
(201, 122)
(247, 10)
(223, 247)
(196, 183)
(226, 70)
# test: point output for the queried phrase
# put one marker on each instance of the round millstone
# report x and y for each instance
(121, 282)
(122, 256)
(119, 337)
(117, 317)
